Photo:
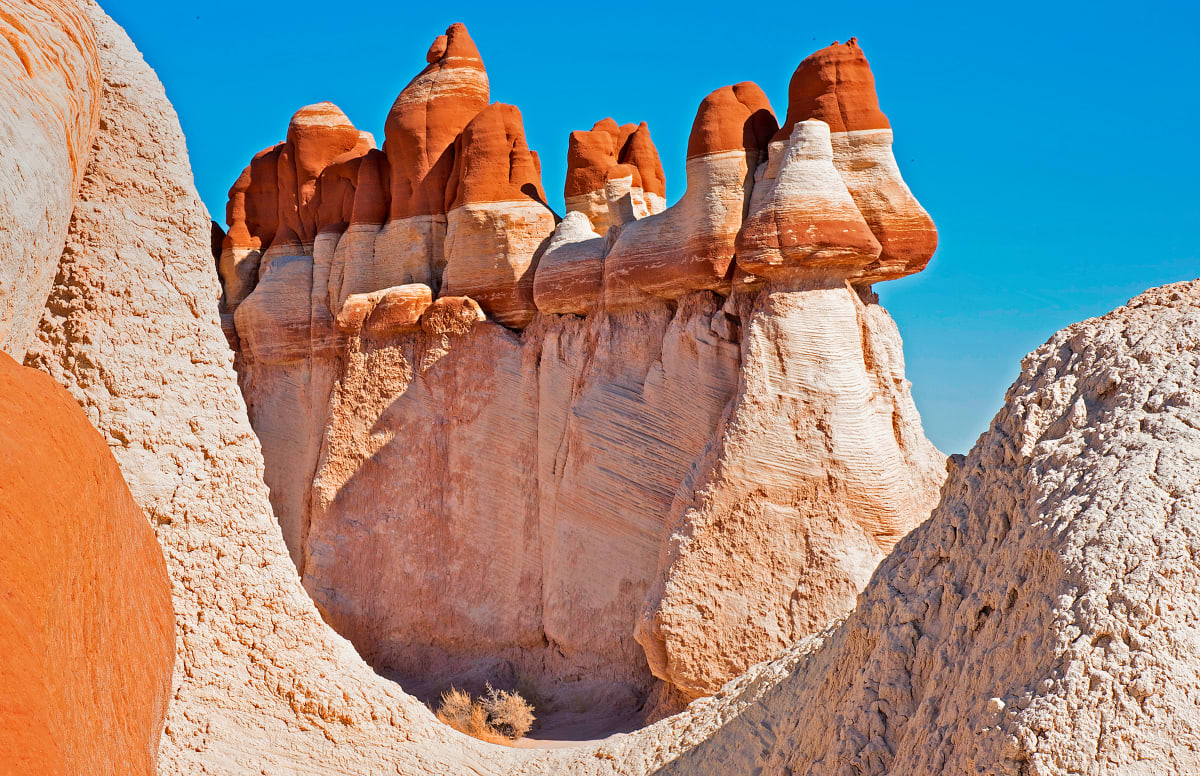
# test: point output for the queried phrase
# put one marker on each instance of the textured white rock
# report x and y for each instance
(865, 160)
(821, 466)
(490, 256)
(570, 273)
(49, 90)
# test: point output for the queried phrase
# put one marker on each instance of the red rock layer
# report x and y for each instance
(591, 154)
(317, 135)
(836, 86)
(85, 604)
(426, 118)
(352, 189)
(492, 161)
(252, 212)
(732, 118)
(638, 151)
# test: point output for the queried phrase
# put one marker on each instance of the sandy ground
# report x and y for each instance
(567, 729)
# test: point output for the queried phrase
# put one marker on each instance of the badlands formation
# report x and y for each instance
(603, 459)
(621, 456)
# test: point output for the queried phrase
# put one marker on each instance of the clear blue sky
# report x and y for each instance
(1055, 144)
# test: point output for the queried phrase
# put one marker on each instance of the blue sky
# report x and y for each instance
(1053, 143)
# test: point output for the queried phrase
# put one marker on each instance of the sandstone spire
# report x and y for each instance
(689, 246)
(425, 119)
(317, 134)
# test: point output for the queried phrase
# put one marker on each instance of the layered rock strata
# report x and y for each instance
(85, 606)
(835, 85)
(49, 87)
(572, 478)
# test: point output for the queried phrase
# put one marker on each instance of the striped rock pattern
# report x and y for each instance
(835, 85)
(50, 90)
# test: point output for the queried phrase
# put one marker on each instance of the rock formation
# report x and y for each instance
(611, 168)
(835, 86)
(572, 479)
(85, 617)
(1040, 621)
(496, 217)
(49, 81)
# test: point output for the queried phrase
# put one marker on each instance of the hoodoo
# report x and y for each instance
(620, 367)
(835, 85)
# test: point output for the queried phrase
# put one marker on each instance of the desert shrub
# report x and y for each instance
(508, 713)
(497, 716)
(455, 709)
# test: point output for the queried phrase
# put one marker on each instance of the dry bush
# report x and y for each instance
(498, 717)
(508, 713)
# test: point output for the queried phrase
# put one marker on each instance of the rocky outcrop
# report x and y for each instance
(573, 479)
(85, 617)
(1041, 621)
(49, 87)
(689, 246)
(614, 174)
(421, 130)
(817, 471)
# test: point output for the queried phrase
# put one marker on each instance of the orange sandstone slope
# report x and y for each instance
(85, 606)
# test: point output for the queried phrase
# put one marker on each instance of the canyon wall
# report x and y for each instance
(644, 447)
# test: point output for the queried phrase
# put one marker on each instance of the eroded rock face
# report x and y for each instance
(89, 640)
(574, 480)
(1043, 620)
(50, 88)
